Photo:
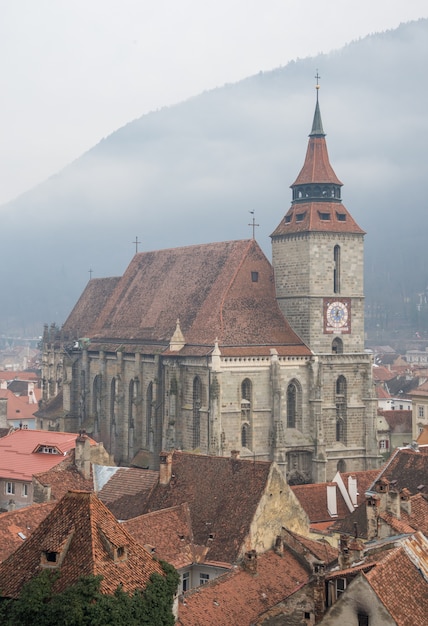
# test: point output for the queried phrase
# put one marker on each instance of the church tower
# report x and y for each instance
(318, 261)
(317, 253)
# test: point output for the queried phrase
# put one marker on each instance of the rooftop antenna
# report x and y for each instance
(253, 224)
(136, 242)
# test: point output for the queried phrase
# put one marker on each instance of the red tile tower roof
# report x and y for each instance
(317, 205)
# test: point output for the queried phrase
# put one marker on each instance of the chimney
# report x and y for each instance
(165, 468)
(234, 455)
(345, 557)
(332, 500)
(250, 562)
(82, 455)
(352, 490)
(11, 505)
(279, 546)
(405, 501)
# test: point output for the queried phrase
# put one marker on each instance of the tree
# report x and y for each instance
(83, 604)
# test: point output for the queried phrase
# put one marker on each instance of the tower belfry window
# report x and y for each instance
(336, 271)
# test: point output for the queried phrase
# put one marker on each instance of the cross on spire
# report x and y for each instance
(90, 273)
(136, 242)
(253, 224)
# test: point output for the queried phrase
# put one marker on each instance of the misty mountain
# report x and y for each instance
(191, 173)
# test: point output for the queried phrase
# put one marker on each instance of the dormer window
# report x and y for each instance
(120, 553)
(300, 217)
(287, 219)
(341, 217)
(47, 450)
(50, 558)
(325, 217)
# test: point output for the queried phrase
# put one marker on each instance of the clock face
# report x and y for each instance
(337, 316)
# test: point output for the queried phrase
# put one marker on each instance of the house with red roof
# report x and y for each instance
(389, 591)
(79, 537)
(28, 453)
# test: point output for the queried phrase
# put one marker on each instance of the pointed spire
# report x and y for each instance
(177, 340)
(317, 129)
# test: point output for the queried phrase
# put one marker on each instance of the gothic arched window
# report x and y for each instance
(149, 416)
(341, 409)
(294, 405)
(197, 401)
(245, 436)
(336, 271)
(96, 396)
(337, 346)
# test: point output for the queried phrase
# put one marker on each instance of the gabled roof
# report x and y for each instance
(421, 391)
(313, 498)
(16, 526)
(80, 537)
(90, 305)
(63, 477)
(382, 374)
(20, 407)
(408, 468)
(400, 581)
(240, 597)
(220, 290)
(123, 483)
(168, 533)
(399, 421)
(19, 458)
(222, 520)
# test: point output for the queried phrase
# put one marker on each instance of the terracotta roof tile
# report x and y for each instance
(23, 521)
(168, 532)
(313, 499)
(63, 477)
(408, 468)
(400, 582)
(126, 482)
(240, 597)
(19, 459)
(220, 290)
(222, 520)
(400, 421)
(89, 306)
(88, 540)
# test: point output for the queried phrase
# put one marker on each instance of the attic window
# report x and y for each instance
(300, 217)
(341, 217)
(120, 553)
(47, 450)
(255, 277)
(50, 558)
(288, 219)
(325, 217)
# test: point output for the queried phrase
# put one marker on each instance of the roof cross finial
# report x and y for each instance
(136, 242)
(317, 76)
(90, 274)
(253, 224)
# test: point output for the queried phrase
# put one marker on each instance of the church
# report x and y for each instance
(213, 349)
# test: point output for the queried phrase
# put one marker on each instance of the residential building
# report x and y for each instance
(79, 537)
(394, 592)
(26, 453)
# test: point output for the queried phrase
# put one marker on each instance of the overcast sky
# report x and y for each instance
(73, 71)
